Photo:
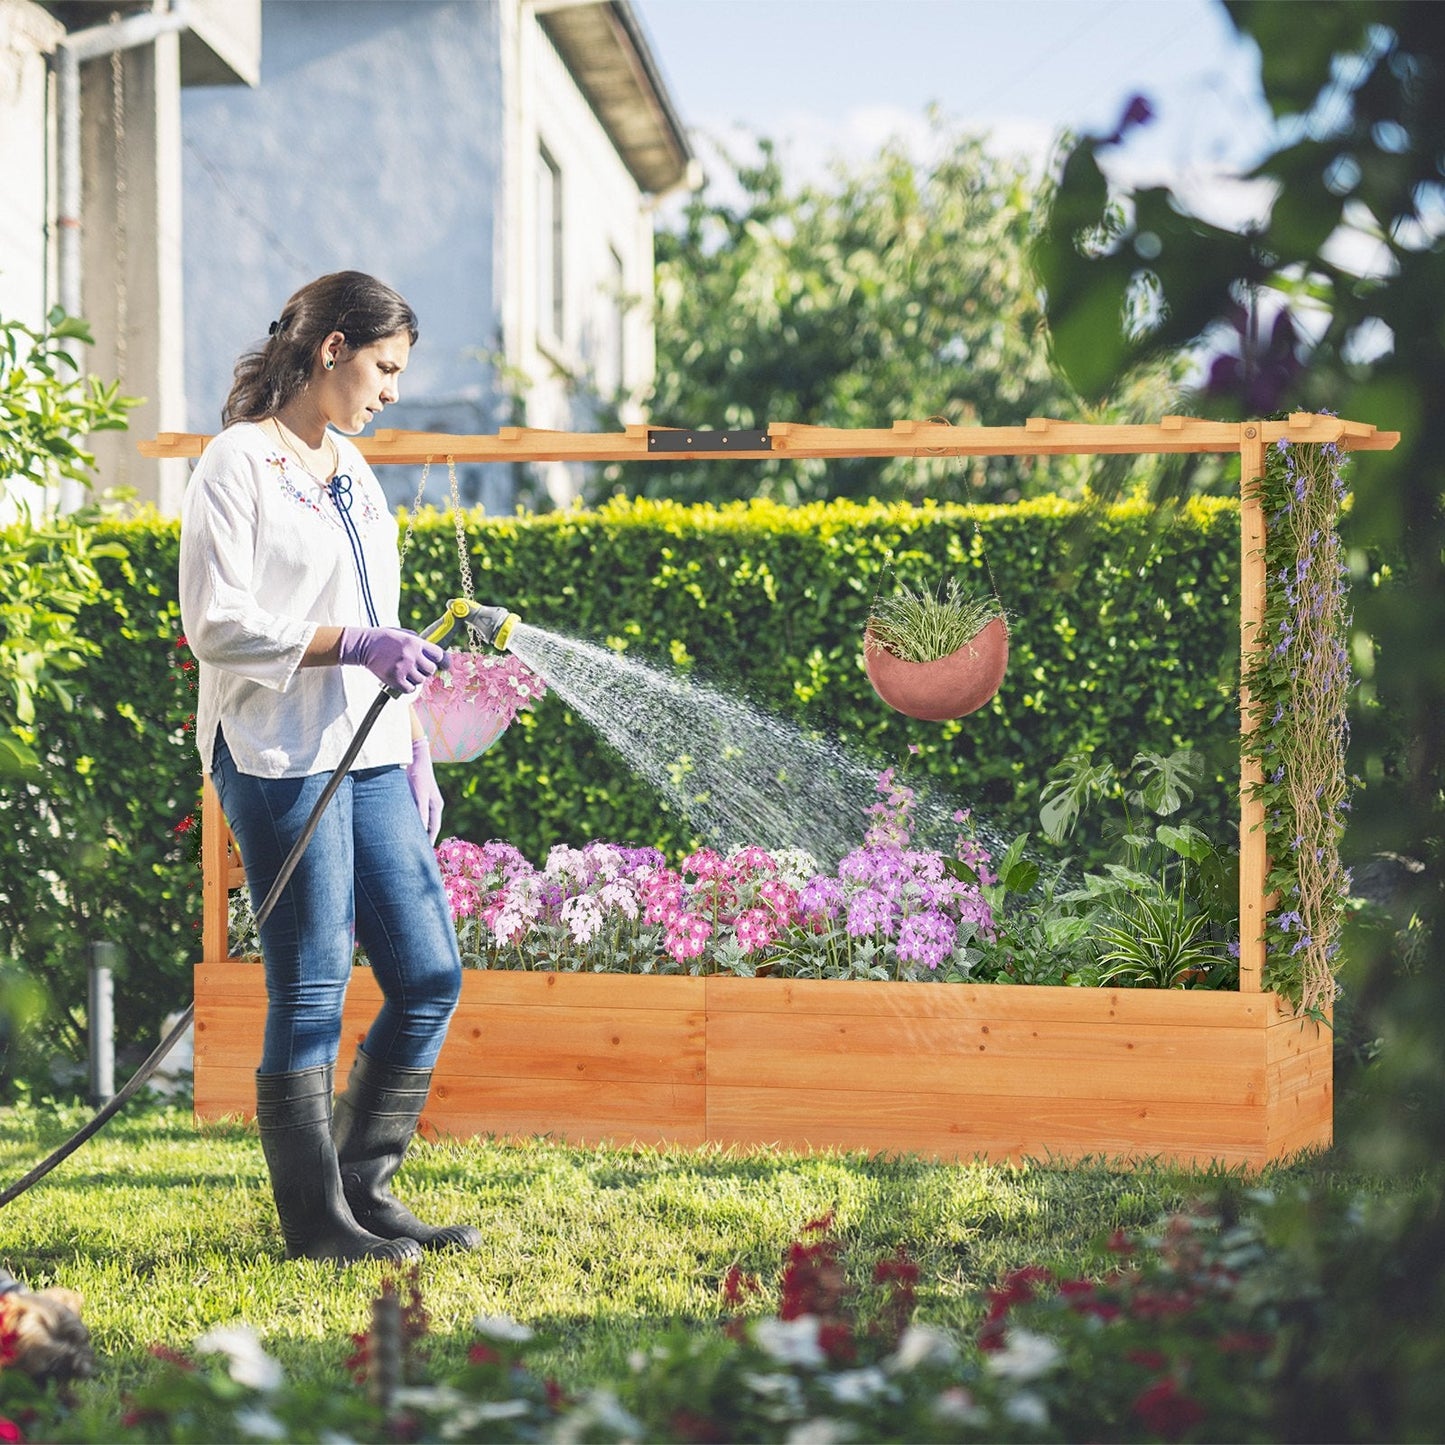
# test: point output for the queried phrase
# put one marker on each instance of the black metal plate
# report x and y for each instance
(756, 440)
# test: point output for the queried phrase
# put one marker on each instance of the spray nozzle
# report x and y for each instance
(492, 624)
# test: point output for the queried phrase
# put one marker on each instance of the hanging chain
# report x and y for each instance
(462, 558)
(464, 561)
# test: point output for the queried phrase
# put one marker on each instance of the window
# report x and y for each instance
(550, 311)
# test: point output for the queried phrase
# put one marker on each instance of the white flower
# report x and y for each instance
(858, 1387)
(502, 1327)
(248, 1364)
(791, 1342)
(821, 1432)
(582, 916)
(955, 1405)
(619, 897)
(260, 1425)
(920, 1345)
(1027, 1409)
(599, 1417)
(1025, 1356)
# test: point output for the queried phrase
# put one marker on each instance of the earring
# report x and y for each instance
(328, 364)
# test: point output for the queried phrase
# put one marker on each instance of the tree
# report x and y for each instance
(900, 291)
(47, 571)
(1357, 88)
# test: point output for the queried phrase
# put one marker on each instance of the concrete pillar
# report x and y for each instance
(130, 256)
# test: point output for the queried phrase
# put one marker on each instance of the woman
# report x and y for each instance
(290, 581)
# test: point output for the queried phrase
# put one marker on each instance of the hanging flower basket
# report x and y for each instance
(465, 709)
(948, 687)
(936, 655)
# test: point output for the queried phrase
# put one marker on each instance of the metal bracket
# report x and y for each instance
(678, 440)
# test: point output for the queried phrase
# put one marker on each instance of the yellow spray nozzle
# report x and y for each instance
(499, 641)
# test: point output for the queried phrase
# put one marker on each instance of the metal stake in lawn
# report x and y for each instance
(494, 626)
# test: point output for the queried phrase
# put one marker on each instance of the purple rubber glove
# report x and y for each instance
(400, 661)
(424, 788)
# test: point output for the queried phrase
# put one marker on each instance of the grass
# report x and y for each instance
(167, 1229)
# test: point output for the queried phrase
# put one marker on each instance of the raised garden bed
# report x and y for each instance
(940, 1070)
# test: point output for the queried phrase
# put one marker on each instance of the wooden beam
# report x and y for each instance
(1039, 436)
(1253, 858)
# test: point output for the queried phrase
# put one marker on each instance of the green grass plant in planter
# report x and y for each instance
(936, 655)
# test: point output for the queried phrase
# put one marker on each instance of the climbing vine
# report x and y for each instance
(1298, 682)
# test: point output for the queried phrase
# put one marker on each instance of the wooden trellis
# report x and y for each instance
(1039, 436)
(1268, 1073)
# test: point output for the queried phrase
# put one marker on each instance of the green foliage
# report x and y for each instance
(47, 563)
(1359, 96)
(926, 625)
(1161, 912)
(44, 415)
(1298, 682)
(895, 291)
(98, 844)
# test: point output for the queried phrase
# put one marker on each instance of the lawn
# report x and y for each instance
(167, 1230)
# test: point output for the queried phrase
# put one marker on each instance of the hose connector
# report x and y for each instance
(492, 624)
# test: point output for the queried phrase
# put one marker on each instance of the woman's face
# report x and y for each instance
(361, 382)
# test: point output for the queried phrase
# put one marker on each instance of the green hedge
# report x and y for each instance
(1124, 630)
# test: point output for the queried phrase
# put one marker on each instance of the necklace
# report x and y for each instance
(293, 444)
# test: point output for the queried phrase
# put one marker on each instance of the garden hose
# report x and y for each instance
(494, 626)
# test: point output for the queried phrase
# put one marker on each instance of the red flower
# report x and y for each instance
(185, 825)
(481, 1354)
(1240, 1343)
(9, 1430)
(836, 1341)
(171, 1357)
(689, 1425)
(1148, 1359)
(1167, 1411)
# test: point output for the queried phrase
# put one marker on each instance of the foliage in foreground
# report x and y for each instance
(1226, 1321)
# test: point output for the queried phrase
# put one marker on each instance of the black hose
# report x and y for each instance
(128, 1091)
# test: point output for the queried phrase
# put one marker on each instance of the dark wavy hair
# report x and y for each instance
(359, 306)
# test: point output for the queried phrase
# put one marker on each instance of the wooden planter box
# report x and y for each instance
(939, 1070)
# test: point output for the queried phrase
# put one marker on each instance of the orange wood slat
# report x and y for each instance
(1015, 1127)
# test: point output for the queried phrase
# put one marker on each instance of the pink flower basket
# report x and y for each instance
(465, 709)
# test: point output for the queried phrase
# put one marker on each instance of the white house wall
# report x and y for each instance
(604, 216)
(374, 142)
(27, 35)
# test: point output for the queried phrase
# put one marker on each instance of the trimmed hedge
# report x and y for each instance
(1125, 635)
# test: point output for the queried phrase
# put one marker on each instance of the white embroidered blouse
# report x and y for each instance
(267, 556)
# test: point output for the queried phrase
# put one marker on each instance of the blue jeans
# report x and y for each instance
(369, 875)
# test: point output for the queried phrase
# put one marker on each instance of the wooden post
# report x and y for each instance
(221, 871)
(1253, 859)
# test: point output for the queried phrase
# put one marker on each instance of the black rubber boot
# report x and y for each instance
(293, 1113)
(374, 1122)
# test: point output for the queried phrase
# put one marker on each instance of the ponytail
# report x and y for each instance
(359, 306)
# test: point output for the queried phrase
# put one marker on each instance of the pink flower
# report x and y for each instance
(755, 929)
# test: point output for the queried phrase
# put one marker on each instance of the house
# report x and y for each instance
(497, 161)
(494, 160)
(90, 155)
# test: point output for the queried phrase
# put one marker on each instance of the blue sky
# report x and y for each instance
(831, 78)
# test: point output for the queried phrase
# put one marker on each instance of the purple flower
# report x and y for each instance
(869, 911)
(926, 938)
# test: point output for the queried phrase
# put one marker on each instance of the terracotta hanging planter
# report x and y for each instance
(948, 687)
